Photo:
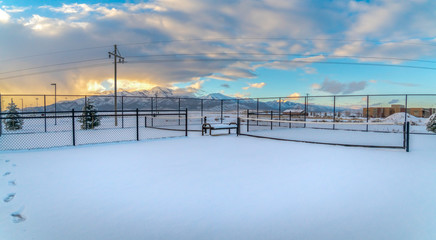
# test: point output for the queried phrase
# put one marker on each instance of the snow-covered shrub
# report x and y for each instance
(89, 118)
(12, 120)
(431, 124)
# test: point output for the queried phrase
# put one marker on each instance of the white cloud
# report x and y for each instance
(145, 6)
(241, 95)
(248, 22)
(14, 9)
(394, 20)
(196, 85)
(72, 8)
(4, 16)
(292, 97)
(51, 26)
(255, 85)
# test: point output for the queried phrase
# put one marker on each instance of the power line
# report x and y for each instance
(275, 38)
(53, 65)
(52, 71)
(219, 53)
(231, 60)
(280, 60)
(53, 53)
(217, 39)
(280, 54)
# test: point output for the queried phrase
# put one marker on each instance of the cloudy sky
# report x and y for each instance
(242, 48)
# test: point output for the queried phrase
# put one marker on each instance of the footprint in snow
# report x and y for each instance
(9, 197)
(17, 217)
(6, 161)
(14, 165)
(6, 173)
(12, 183)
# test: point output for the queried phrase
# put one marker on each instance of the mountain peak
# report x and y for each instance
(216, 96)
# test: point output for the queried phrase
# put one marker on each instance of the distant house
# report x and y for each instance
(294, 112)
(382, 112)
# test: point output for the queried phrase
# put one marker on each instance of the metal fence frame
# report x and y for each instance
(74, 115)
(405, 141)
(153, 103)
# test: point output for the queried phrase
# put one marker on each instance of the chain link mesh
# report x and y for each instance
(45, 130)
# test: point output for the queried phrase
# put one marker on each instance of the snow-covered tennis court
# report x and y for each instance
(223, 187)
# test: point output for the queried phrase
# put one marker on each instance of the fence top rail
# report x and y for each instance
(321, 123)
(153, 112)
(227, 99)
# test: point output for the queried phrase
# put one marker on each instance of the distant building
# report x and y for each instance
(382, 112)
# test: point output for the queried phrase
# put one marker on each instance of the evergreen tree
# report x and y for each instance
(89, 118)
(12, 120)
(431, 124)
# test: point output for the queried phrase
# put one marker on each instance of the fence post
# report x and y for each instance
(248, 120)
(367, 111)
(179, 111)
(238, 126)
(405, 110)
(404, 135)
(222, 110)
(290, 118)
(145, 121)
(407, 136)
(74, 127)
(305, 109)
(271, 119)
(201, 110)
(334, 111)
(151, 103)
(1, 116)
(86, 113)
(237, 108)
(122, 111)
(280, 109)
(257, 112)
(45, 114)
(186, 122)
(137, 124)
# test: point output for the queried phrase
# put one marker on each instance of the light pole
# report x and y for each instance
(36, 109)
(54, 84)
(22, 109)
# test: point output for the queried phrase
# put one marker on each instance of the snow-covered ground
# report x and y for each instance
(223, 187)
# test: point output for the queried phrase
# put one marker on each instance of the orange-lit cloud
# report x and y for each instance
(255, 85)
(122, 84)
(293, 97)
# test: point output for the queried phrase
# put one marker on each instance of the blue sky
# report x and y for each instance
(243, 48)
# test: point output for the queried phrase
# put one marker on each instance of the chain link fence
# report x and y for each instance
(339, 108)
(34, 130)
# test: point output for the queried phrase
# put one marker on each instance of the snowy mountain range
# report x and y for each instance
(169, 99)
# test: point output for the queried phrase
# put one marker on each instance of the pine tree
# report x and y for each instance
(89, 118)
(13, 121)
(431, 124)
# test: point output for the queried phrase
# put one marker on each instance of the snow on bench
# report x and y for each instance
(221, 126)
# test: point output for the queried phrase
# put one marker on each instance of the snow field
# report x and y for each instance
(219, 188)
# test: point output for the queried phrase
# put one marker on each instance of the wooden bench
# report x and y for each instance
(222, 126)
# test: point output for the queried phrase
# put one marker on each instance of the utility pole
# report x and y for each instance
(116, 55)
